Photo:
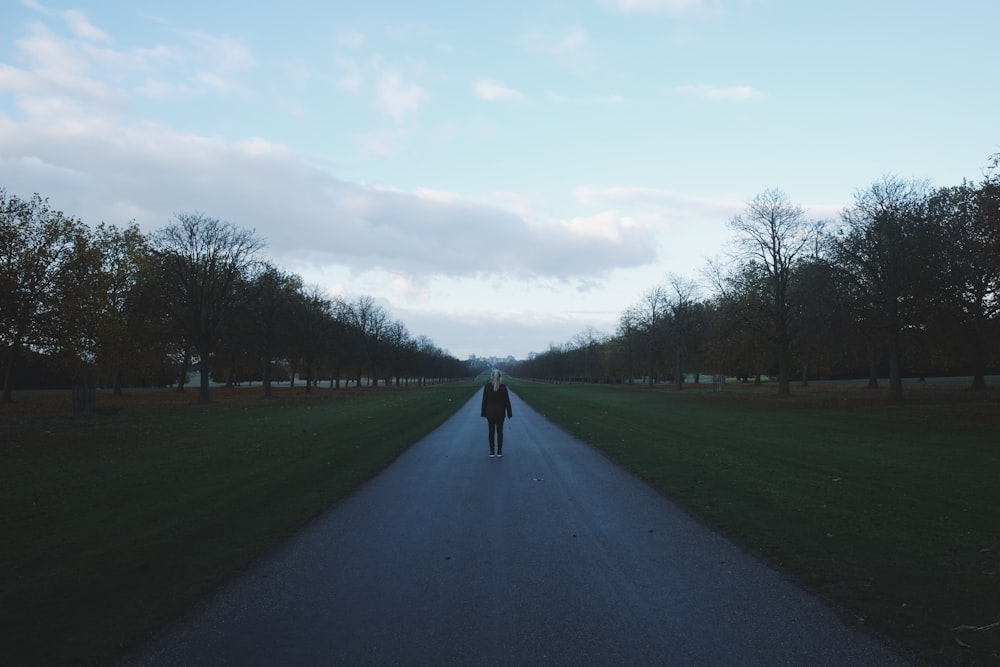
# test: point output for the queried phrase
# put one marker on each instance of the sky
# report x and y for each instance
(500, 177)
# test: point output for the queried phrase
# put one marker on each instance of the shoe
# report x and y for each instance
(499, 453)
(492, 455)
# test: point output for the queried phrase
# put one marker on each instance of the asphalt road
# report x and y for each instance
(551, 555)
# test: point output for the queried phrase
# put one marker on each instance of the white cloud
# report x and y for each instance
(58, 83)
(302, 212)
(79, 73)
(398, 98)
(607, 225)
(719, 93)
(74, 19)
(492, 92)
(224, 54)
(410, 288)
(379, 144)
(572, 41)
(669, 205)
(675, 6)
(350, 78)
(567, 47)
(352, 39)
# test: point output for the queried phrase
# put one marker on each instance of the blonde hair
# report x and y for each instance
(495, 377)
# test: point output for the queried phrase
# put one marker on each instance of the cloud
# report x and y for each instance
(398, 98)
(653, 6)
(57, 78)
(492, 92)
(379, 144)
(351, 39)
(565, 46)
(571, 42)
(303, 213)
(670, 205)
(75, 73)
(74, 19)
(350, 78)
(720, 94)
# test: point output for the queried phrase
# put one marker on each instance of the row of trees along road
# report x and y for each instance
(115, 307)
(906, 281)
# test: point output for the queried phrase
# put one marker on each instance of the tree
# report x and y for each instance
(650, 316)
(740, 335)
(38, 246)
(969, 217)
(122, 255)
(202, 259)
(396, 339)
(682, 324)
(885, 249)
(587, 344)
(368, 322)
(312, 328)
(273, 296)
(628, 334)
(772, 233)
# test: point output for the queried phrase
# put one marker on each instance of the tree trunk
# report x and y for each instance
(895, 370)
(679, 378)
(205, 373)
(8, 376)
(183, 375)
(978, 360)
(268, 361)
(784, 370)
(116, 383)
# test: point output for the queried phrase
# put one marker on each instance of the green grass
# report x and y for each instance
(888, 511)
(116, 523)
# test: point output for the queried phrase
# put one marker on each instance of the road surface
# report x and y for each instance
(551, 555)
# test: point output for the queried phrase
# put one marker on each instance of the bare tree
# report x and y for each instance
(368, 321)
(772, 233)
(628, 332)
(682, 323)
(273, 297)
(397, 339)
(202, 258)
(587, 343)
(650, 314)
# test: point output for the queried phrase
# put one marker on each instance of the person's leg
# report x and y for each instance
(500, 437)
(493, 428)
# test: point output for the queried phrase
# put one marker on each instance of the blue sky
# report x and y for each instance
(503, 176)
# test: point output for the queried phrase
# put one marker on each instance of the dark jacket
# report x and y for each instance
(495, 402)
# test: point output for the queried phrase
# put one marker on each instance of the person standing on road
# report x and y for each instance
(496, 405)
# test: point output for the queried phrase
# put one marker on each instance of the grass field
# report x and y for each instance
(889, 511)
(114, 523)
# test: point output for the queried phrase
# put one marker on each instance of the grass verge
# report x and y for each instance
(116, 523)
(888, 511)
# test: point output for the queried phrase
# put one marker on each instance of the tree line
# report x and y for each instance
(905, 282)
(114, 307)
